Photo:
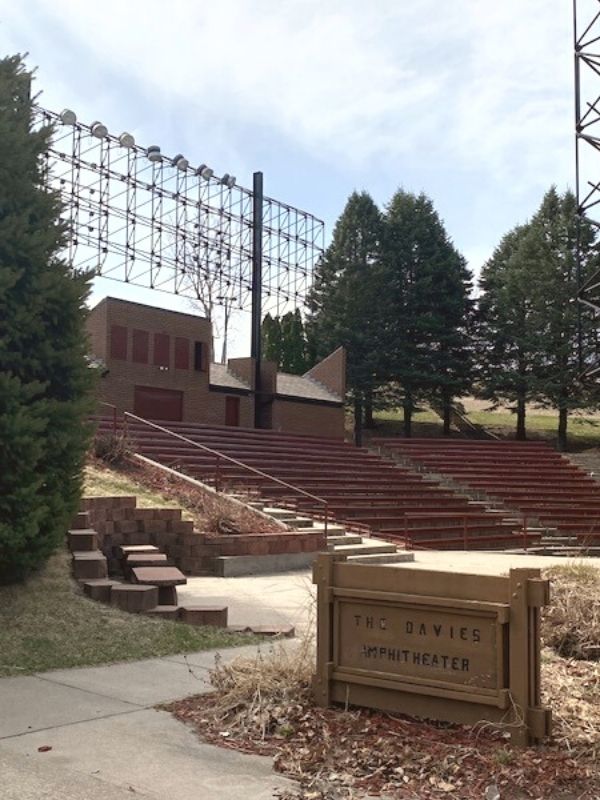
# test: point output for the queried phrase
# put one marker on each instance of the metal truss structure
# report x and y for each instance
(586, 31)
(138, 216)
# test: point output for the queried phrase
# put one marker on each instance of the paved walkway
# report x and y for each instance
(108, 742)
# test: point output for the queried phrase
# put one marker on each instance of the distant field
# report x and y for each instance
(583, 429)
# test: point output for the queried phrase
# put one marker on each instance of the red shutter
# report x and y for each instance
(118, 342)
(161, 349)
(140, 347)
(182, 353)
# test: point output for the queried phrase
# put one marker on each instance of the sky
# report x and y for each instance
(470, 101)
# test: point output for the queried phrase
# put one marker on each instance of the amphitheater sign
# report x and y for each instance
(439, 645)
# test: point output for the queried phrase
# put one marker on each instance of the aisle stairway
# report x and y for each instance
(363, 492)
(529, 477)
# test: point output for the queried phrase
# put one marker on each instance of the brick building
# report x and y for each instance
(159, 366)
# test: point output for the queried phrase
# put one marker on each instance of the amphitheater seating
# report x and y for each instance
(362, 490)
(529, 477)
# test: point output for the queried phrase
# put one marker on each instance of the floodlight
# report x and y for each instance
(205, 172)
(68, 117)
(228, 180)
(153, 153)
(180, 162)
(126, 140)
(98, 130)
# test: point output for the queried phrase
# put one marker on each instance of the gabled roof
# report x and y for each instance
(220, 375)
(304, 387)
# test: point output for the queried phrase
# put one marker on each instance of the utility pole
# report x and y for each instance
(255, 352)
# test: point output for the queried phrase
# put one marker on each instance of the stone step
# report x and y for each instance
(146, 560)
(89, 564)
(158, 576)
(347, 538)
(400, 557)
(369, 546)
(279, 513)
(235, 566)
(126, 549)
(99, 589)
(333, 528)
(80, 521)
(299, 522)
(82, 540)
(204, 615)
(133, 597)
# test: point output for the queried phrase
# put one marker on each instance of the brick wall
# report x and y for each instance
(118, 386)
(118, 521)
(331, 372)
(294, 416)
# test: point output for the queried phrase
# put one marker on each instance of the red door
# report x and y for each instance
(232, 411)
(152, 403)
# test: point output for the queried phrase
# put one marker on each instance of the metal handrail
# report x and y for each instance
(231, 460)
(463, 517)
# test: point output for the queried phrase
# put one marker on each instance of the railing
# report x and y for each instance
(464, 519)
(219, 457)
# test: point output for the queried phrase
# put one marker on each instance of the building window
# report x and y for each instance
(182, 353)
(140, 347)
(162, 344)
(200, 356)
(118, 342)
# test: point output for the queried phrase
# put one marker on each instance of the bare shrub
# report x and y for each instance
(112, 448)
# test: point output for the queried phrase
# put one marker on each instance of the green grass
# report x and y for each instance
(583, 431)
(46, 623)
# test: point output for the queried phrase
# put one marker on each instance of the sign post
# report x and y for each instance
(437, 645)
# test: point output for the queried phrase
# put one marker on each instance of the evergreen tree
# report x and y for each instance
(271, 339)
(562, 324)
(428, 310)
(44, 380)
(509, 342)
(345, 302)
(293, 343)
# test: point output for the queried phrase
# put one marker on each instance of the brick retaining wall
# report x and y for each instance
(118, 521)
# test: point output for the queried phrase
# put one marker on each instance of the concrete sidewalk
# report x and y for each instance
(108, 742)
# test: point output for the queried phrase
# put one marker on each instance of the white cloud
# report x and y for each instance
(479, 84)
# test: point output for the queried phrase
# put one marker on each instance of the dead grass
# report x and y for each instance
(264, 705)
(210, 513)
(571, 623)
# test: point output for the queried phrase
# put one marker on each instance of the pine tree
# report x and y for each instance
(345, 300)
(563, 325)
(271, 339)
(509, 342)
(44, 379)
(293, 343)
(428, 309)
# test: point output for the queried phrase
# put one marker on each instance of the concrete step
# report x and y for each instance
(89, 564)
(400, 557)
(299, 522)
(347, 538)
(235, 566)
(283, 514)
(333, 528)
(373, 547)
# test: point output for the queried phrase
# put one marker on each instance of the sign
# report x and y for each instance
(439, 645)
